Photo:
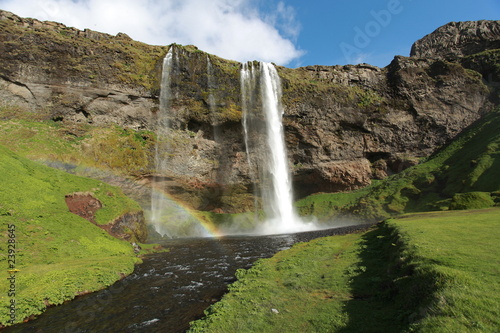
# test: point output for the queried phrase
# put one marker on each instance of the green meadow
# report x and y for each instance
(55, 255)
(428, 272)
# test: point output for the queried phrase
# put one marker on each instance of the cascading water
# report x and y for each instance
(248, 91)
(272, 165)
(167, 217)
(265, 147)
(158, 199)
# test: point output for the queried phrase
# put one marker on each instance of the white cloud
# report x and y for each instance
(233, 29)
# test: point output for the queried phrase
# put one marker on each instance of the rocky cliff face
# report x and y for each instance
(344, 125)
(475, 45)
(378, 120)
(458, 39)
(80, 76)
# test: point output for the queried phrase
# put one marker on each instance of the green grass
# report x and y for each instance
(431, 272)
(59, 254)
(449, 179)
(292, 284)
(122, 151)
(326, 206)
(459, 251)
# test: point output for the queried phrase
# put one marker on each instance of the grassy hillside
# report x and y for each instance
(463, 175)
(58, 254)
(124, 151)
(430, 272)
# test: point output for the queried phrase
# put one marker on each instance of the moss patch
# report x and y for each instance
(471, 200)
(124, 151)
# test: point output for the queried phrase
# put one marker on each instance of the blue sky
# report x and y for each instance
(288, 32)
(326, 24)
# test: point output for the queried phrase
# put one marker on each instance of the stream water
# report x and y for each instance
(168, 290)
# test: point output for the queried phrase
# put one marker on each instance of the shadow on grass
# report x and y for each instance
(387, 294)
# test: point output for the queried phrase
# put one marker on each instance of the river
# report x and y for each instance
(168, 290)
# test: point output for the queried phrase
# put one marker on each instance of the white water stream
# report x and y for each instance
(158, 200)
(275, 179)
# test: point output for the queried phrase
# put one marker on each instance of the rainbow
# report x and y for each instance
(208, 228)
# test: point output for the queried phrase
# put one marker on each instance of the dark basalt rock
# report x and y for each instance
(458, 39)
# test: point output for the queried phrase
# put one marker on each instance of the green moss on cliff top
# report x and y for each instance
(63, 53)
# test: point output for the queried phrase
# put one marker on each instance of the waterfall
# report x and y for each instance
(264, 142)
(268, 161)
(281, 199)
(158, 199)
(168, 218)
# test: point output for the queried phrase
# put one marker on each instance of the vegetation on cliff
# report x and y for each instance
(124, 151)
(338, 119)
(462, 175)
(82, 56)
(58, 254)
(428, 272)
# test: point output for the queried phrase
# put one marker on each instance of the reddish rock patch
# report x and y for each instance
(129, 226)
(83, 204)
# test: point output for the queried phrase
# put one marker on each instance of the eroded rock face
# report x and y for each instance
(100, 106)
(83, 204)
(400, 113)
(334, 176)
(66, 74)
(458, 39)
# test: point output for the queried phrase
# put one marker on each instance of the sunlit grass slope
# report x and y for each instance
(431, 272)
(122, 151)
(58, 254)
(463, 175)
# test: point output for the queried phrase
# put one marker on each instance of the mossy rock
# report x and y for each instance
(471, 200)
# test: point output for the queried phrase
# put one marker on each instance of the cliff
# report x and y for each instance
(344, 125)
(475, 45)
(456, 40)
